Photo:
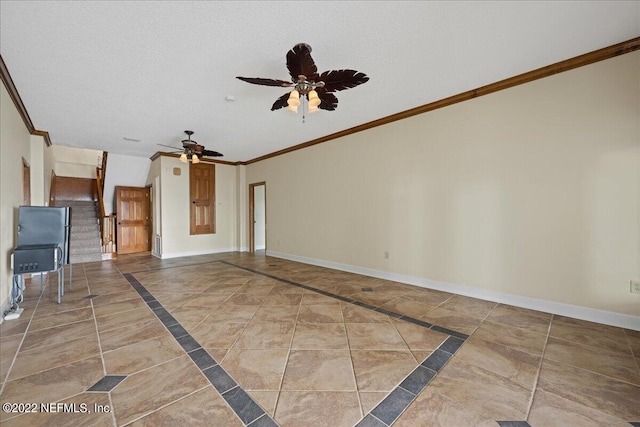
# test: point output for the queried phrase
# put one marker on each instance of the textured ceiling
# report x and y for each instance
(93, 73)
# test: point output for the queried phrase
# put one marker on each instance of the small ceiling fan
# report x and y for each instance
(316, 89)
(192, 150)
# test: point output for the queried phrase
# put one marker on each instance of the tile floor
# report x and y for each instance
(238, 339)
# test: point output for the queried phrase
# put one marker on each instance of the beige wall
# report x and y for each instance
(174, 207)
(531, 193)
(76, 162)
(15, 144)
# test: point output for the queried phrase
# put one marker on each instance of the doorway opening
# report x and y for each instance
(258, 216)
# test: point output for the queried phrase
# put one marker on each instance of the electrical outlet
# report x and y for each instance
(635, 286)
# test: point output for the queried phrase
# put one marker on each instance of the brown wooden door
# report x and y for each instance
(132, 214)
(202, 182)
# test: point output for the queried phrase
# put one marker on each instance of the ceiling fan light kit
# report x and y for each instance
(315, 90)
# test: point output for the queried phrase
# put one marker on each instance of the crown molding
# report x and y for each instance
(17, 101)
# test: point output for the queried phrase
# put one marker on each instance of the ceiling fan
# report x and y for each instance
(316, 89)
(192, 150)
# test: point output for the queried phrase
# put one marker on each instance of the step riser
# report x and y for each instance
(84, 242)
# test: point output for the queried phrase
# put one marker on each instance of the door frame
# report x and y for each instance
(252, 214)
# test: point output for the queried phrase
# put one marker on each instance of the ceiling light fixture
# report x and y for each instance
(304, 90)
(305, 79)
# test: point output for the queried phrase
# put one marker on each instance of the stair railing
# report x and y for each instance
(107, 222)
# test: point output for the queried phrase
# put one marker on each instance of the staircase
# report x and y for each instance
(85, 243)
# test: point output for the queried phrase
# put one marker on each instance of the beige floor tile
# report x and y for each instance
(264, 340)
(455, 320)
(408, 307)
(370, 399)
(142, 355)
(190, 315)
(314, 298)
(8, 349)
(418, 337)
(266, 399)
(354, 314)
(64, 318)
(589, 333)
(320, 313)
(16, 326)
(131, 334)
(149, 390)
(381, 370)
(326, 370)
(256, 369)
(482, 390)
(435, 410)
(614, 397)
(54, 355)
(262, 335)
(374, 336)
(58, 334)
(469, 306)
(46, 307)
(203, 408)
(517, 366)
(115, 297)
(227, 312)
(119, 306)
(277, 313)
(554, 411)
(319, 336)
(531, 320)
(205, 300)
(517, 338)
(119, 320)
(312, 409)
(618, 365)
(55, 384)
(217, 334)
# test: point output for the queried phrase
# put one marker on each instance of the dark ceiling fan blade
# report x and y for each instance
(210, 153)
(265, 82)
(169, 146)
(328, 100)
(280, 102)
(300, 62)
(336, 80)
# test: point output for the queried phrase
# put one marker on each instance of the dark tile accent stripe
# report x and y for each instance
(401, 397)
(264, 422)
(242, 404)
(513, 424)
(354, 302)
(370, 421)
(383, 415)
(392, 406)
(635, 423)
(107, 383)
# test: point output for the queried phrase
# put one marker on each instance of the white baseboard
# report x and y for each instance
(192, 253)
(261, 247)
(4, 307)
(574, 311)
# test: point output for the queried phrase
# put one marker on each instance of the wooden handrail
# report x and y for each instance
(52, 189)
